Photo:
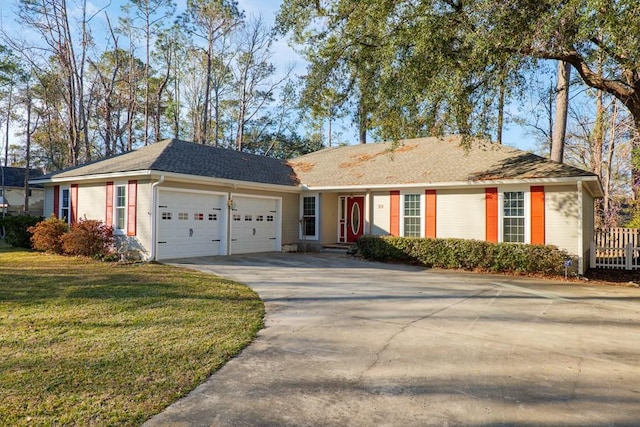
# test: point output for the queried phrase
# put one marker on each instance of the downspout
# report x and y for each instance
(227, 250)
(154, 217)
(580, 231)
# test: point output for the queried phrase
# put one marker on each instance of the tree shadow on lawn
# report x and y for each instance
(117, 286)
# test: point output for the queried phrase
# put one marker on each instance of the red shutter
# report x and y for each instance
(537, 215)
(491, 214)
(132, 199)
(74, 203)
(394, 225)
(56, 200)
(430, 213)
(108, 215)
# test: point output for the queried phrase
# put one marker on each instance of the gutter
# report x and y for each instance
(173, 176)
(154, 217)
(452, 184)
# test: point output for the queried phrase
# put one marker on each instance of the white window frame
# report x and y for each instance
(527, 212)
(117, 230)
(316, 216)
(422, 210)
(67, 217)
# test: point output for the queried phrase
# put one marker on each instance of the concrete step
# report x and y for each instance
(342, 248)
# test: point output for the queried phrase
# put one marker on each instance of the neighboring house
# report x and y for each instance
(12, 193)
(177, 199)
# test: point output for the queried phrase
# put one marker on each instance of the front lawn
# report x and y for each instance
(90, 343)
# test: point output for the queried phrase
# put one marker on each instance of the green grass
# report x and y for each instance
(90, 343)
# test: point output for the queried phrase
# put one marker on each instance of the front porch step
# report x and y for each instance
(342, 248)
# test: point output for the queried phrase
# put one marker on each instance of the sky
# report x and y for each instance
(284, 56)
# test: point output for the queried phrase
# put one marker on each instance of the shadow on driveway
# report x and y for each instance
(351, 342)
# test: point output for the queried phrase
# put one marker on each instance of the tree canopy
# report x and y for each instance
(432, 65)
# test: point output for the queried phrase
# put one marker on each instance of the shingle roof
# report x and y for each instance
(193, 159)
(415, 161)
(424, 161)
(14, 177)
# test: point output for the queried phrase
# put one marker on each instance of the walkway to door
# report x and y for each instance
(350, 342)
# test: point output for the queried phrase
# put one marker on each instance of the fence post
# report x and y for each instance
(628, 256)
(592, 255)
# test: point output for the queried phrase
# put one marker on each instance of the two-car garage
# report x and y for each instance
(197, 223)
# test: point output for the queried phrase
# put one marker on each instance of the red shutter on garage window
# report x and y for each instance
(56, 200)
(394, 206)
(132, 200)
(74, 203)
(108, 215)
(430, 213)
(491, 214)
(537, 215)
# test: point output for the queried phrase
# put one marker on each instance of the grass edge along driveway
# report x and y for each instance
(90, 343)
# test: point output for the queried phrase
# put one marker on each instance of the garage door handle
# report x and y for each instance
(254, 231)
(191, 232)
(216, 240)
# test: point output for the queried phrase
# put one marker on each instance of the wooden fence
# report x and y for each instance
(616, 248)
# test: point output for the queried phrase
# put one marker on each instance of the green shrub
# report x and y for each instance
(466, 254)
(47, 235)
(90, 238)
(380, 250)
(17, 229)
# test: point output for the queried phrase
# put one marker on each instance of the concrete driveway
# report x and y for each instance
(354, 343)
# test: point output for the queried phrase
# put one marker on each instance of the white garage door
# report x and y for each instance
(189, 224)
(254, 225)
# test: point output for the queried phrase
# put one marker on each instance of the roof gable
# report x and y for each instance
(424, 161)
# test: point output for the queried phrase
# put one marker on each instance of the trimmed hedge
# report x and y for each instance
(466, 254)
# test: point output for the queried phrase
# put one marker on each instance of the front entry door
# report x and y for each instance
(354, 218)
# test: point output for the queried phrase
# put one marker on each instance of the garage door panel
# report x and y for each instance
(189, 224)
(253, 225)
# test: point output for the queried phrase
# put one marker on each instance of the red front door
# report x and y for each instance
(354, 218)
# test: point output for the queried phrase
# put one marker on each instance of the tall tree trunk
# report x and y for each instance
(635, 158)
(207, 93)
(158, 96)
(241, 123)
(606, 180)
(362, 120)
(6, 131)
(216, 107)
(501, 97)
(562, 107)
(131, 102)
(330, 132)
(146, 73)
(598, 136)
(27, 156)
(176, 90)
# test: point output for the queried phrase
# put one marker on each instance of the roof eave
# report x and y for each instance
(231, 183)
(91, 177)
(458, 184)
(179, 177)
